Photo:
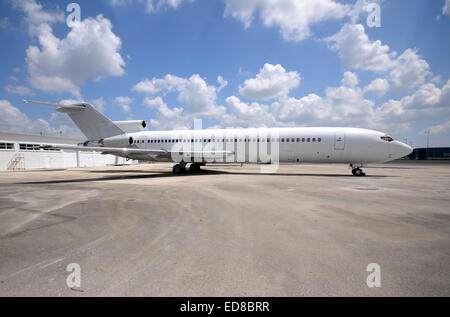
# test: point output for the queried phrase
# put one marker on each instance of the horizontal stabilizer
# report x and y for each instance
(72, 106)
(92, 123)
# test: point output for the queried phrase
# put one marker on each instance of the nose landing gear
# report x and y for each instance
(356, 170)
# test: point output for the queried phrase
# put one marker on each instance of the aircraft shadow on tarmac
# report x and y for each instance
(159, 174)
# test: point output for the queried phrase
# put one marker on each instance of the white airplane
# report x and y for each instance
(131, 140)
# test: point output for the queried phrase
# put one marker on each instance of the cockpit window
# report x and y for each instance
(387, 138)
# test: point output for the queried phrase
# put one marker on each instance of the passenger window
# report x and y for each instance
(282, 139)
(319, 140)
(309, 140)
(287, 140)
(314, 139)
(303, 139)
(298, 139)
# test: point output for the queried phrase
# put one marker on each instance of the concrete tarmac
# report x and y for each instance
(304, 230)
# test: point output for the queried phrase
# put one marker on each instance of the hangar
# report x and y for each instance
(23, 151)
(437, 153)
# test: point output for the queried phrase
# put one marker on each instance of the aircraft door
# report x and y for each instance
(339, 141)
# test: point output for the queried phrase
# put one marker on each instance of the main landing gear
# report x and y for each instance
(181, 168)
(195, 167)
(357, 171)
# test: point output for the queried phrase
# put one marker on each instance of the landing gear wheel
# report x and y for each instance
(178, 169)
(358, 172)
(194, 168)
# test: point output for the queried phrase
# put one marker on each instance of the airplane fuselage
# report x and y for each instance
(314, 145)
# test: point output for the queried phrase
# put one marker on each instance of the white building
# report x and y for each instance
(22, 151)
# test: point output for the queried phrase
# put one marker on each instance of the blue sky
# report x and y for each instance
(231, 63)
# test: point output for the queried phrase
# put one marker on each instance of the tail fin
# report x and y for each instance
(91, 122)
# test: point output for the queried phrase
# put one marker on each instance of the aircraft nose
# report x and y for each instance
(402, 149)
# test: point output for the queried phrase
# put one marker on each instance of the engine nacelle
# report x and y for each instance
(131, 125)
(118, 141)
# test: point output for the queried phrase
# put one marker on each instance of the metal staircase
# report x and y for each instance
(17, 163)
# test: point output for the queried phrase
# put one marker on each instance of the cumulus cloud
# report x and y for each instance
(293, 17)
(222, 83)
(271, 82)
(358, 52)
(427, 103)
(350, 79)
(446, 8)
(379, 86)
(307, 110)
(244, 114)
(158, 104)
(410, 71)
(13, 120)
(168, 118)
(89, 51)
(156, 5)
(340, 105)
(125, 103)
(194, 93)
(152, 5)
(35, 15)
(19, 90)
(99, 104)
(441, 128)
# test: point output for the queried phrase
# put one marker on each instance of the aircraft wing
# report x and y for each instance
(113, 150)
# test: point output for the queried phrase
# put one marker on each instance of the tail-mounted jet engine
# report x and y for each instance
(118, 141)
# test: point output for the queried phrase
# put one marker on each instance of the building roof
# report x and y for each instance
(24, 137)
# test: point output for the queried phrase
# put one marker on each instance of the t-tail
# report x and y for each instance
(93, 124)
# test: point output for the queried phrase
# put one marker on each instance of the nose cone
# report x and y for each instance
(402, 149)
